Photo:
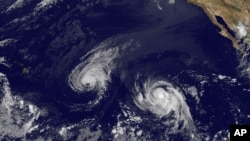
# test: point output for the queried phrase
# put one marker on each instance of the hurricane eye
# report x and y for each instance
(93, 74)
(159, 93)
(166, 102)
(89, 81)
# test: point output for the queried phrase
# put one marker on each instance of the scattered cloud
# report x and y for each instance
(17, 4)
(45, 3)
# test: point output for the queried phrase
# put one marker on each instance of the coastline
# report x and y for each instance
(223, 32)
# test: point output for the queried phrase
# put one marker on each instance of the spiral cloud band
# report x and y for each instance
(94, 73)
(165, 101)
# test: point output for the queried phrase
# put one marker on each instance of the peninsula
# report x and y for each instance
(235, 13)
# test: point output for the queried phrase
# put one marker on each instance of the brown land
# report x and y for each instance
(232, 12)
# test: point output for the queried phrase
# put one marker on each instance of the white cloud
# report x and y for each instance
(171, 1)
(5, 42)
(17, 4)
(161, 3)
(242, 30)
(16, 118)
(45, 3)
(3, 61)
(221, 77)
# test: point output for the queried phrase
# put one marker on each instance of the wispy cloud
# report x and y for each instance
(45, 3)
(17, 4)
(5, 42)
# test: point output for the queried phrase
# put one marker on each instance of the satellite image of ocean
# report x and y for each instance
(119, 70)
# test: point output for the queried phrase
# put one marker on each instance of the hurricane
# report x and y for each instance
(93, 74)
(123, 70)
(166, 102)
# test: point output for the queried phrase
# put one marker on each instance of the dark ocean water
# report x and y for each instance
(177, 43)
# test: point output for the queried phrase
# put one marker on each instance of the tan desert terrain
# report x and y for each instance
(236, 13)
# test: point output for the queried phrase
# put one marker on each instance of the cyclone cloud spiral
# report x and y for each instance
(166, 102)
(93, 73)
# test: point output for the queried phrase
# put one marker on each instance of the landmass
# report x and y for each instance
(235, 13)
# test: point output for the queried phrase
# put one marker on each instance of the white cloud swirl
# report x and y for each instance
(166, 102)
(92, 76)
(94, 73)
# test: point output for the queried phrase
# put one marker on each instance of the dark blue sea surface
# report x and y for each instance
(178, 43)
